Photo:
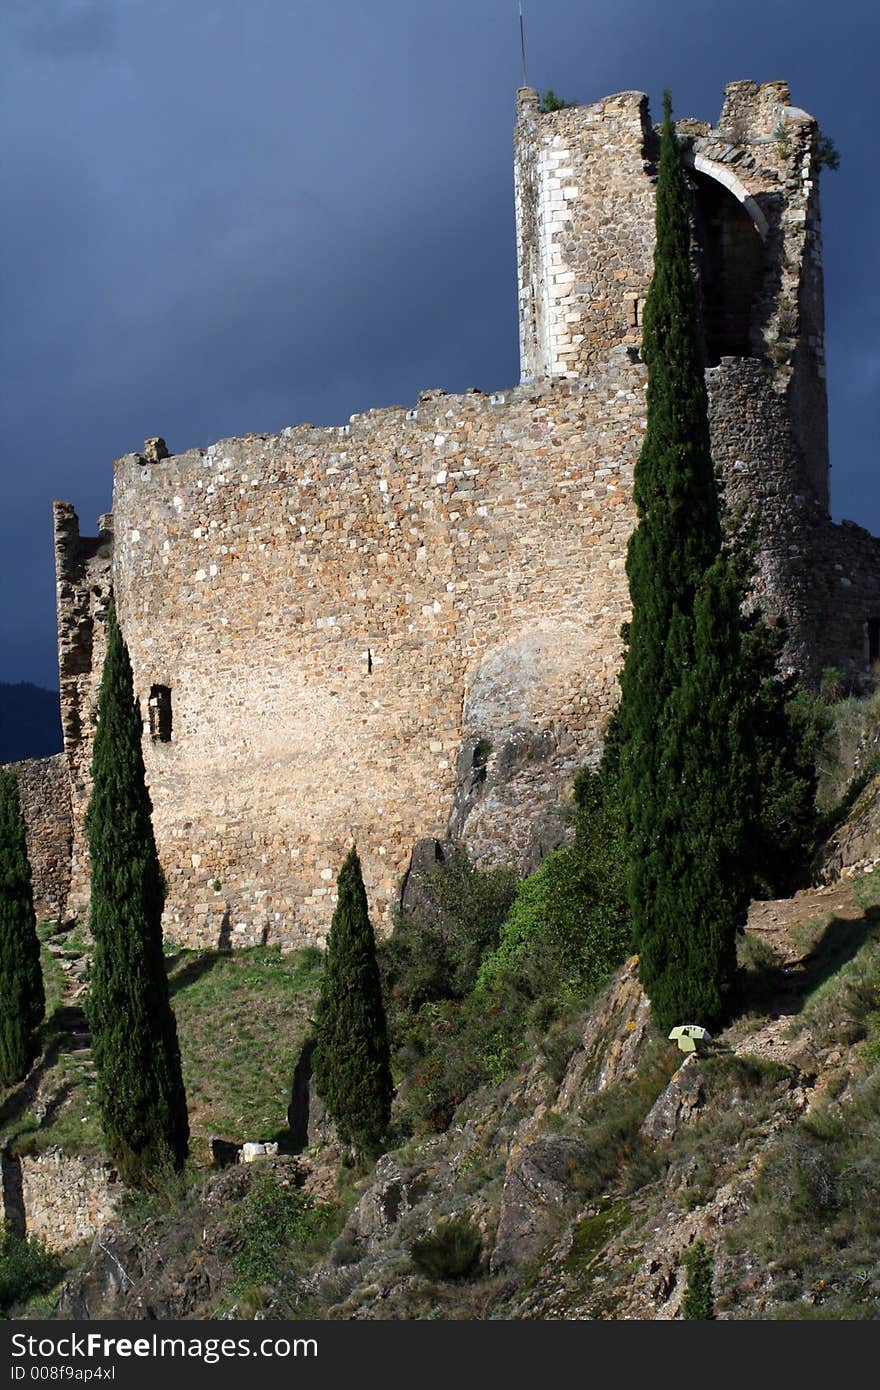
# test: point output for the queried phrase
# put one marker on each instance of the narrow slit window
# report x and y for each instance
(369, 661)
(160, 713)
(873, 640)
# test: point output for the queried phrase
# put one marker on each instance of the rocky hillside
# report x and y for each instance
(573, 1188)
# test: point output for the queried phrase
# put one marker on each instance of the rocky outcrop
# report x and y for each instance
(537, 1194)
(513, 801)
(393, 1192)
(855, 845)
(609, 1049)
(676, 1105)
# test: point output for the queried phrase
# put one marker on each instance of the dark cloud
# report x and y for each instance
(62, 29)
(224, 217)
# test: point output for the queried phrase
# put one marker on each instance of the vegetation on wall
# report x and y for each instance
(551, 102)
(134, 1035)
(22, 998)
(534, 958)
(570, 921)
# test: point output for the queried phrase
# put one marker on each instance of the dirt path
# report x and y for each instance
(793, 928)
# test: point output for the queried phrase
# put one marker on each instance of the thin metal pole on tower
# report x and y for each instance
(522, 43)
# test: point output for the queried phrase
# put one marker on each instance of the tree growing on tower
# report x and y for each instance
(22, 1000)
(134, 1033)
(351, 1061)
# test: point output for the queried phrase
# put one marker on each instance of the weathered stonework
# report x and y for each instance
(57, 1198)
(323, 605)
(44, 791)
(408, 627)
(83, 579)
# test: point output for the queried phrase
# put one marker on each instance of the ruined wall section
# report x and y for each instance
(764, 151)
(822, 579)
(585, 180)
(83, 575)
(44, 791)
(58, 1198)
(319, 603)
(585, 230)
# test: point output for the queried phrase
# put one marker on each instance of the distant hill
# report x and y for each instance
(30, 722)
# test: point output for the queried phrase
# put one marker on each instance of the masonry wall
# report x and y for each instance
(44, 791)
(821, 579)
(57, 1198)
(585, 230)
(83, 580)
(319, 604)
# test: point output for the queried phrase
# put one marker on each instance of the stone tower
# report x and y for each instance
(584, 204)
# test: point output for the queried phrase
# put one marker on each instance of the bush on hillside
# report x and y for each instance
(435, 953)
(26, 1268)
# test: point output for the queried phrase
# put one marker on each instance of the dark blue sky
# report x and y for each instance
(232, 215)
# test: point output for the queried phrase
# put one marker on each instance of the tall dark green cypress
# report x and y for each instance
(134, 1034)
(22, 1000)
(698, 1303)
(686, 779)
(351, 1061)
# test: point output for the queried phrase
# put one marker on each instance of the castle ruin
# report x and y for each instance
(407, 628)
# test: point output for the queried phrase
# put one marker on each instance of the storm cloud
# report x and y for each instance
(224, 217)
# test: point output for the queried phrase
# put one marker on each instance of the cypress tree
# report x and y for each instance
(686, 781)
(698, 1304)
(21, 980)
(134, 1034)
(351, 1061)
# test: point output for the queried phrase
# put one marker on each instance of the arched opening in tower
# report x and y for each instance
(730, 257)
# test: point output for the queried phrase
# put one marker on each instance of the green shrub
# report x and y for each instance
(435, 953)
(273, 1225)
(699, 1303)
(26, 1268)
(451, 1048)
(569, 924)
(565, 930)
(832, 684)
(551, 102)
(827, 153)
(450, 1250)
(847, 753)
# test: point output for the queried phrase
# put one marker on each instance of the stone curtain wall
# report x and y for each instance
(57, 1198)
(83, 576)
(320, 602)
(44, 789)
